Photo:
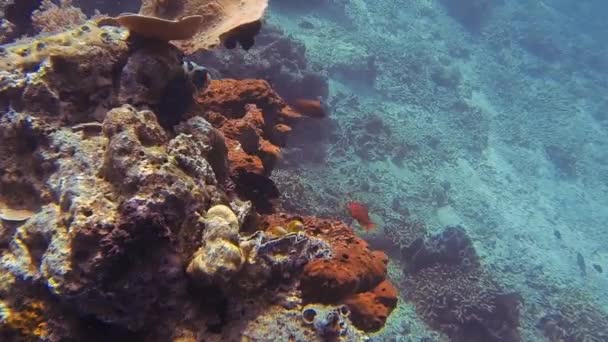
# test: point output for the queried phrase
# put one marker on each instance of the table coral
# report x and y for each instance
(575, 317)
(221, 19)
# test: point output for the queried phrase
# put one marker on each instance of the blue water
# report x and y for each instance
(493, 116)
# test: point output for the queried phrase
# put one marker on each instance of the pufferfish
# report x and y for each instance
(198, 75)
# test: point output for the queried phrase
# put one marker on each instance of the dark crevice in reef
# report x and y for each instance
(96, 330)
(20, 14)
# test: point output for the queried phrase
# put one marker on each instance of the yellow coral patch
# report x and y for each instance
(224, 213)
(28, 320)
(74, 42)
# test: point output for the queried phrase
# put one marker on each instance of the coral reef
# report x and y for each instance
(276, 58)
(53, 18)
(225, 21)
(15, 18)
(472, 14)
(254, 121)
(452, 292)
(106, 7)
(126, 215)
(371, 309)
(575, 319)
(354, 275)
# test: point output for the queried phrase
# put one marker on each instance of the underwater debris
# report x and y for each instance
(224, 21)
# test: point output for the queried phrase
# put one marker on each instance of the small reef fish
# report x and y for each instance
(360, 213)
(580, 260)
(198, 75)
(598, 268)
(557, 234)
(310, 108)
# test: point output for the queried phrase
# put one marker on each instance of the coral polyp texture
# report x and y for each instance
(128, 216)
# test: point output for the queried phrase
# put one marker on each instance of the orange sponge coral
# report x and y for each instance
(369, 310)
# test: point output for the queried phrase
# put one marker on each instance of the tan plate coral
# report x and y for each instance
(163, 29)
(15, 215)
(223, 20)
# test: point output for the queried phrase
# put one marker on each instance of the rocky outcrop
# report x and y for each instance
(138, 224)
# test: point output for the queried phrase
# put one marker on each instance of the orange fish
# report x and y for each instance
(360, 213)
(310, 108)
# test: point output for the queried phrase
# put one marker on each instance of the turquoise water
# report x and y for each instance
(493, 117)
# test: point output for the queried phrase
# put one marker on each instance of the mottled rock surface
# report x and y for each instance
(122, 196)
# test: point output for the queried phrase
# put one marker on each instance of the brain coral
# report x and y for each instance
(223, 20)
